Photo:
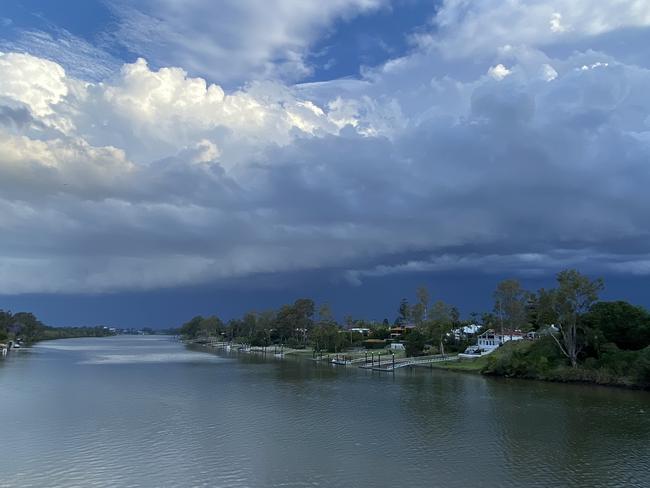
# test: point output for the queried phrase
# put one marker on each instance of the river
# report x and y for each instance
(148, 412)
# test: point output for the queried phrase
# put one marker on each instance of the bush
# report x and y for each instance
(414, 343)
(525, 359)
(294, 343)
(642, 368)
(619, 362)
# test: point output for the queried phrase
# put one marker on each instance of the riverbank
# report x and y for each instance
(534, 360)
(304, 353)
(541, 361)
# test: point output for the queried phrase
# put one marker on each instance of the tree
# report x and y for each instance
(6, 319)
(510, 301)
(190, 329)
(210, 326)
(295, 319)
(488, 320)
(441, 320)
(380, 332)
(249, 324)
(420, 309)
(415, 342)
(620, 322)
(404, 312)
(30, 328)
(325, 315)
(573, 297)
(541, 312)
(328, 337)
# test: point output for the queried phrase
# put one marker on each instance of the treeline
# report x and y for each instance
(575, 329)
(582, 338)
(29, 329)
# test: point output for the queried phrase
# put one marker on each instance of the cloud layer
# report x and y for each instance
(486, 148)
(234, 41)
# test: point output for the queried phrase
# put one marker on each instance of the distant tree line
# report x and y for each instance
(577, 330)
(27, 327)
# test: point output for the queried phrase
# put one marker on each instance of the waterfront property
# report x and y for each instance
(364, 331)
(399, 331)
(466, 331)
(490, 340)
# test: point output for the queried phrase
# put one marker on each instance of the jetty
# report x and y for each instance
(390, 364)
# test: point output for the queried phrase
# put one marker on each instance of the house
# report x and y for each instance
(489, 340)
(465, 331)
(399, 331)
(364, 331)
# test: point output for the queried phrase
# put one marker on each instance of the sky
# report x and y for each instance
(161, 159)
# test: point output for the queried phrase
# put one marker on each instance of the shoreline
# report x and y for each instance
(467, 366)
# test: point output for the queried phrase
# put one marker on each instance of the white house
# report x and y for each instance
(465, 331)
(491, 339)
(364, 331)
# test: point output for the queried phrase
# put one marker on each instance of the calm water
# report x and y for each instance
(146, 411)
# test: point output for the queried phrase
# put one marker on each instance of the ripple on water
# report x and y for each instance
(256, 423)
(172, 357)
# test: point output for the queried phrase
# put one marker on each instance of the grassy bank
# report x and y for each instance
(541, 360)
(466, 365)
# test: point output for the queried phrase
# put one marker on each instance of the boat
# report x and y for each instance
(341, 362)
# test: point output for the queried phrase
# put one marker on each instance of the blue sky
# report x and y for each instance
(345, 45)
(164, 158)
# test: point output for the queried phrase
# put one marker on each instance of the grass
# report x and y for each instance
(468, 365)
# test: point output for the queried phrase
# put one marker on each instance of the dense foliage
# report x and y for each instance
(580, 336)
(25, 326)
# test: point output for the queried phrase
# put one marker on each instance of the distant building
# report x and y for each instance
(364, 331)
(399, 331)
(465, 331)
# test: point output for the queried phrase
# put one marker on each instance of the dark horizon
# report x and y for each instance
(374, 300)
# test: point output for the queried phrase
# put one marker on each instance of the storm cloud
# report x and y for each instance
(525, 150)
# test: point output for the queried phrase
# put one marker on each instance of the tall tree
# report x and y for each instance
(573, 297)
(420, 310)
(325, 315)
(404, 312)
(542, 312)
(510, 301)
(441, 320)
(295, 320)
